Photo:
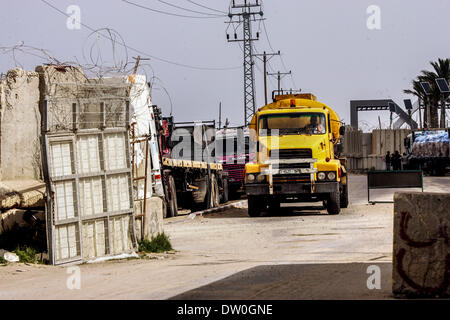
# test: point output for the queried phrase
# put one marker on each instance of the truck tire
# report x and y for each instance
(274, 206)
(334, 203)
(344, 196)
(198, 196)
(172, 198)
(255, 206)
(225, 191)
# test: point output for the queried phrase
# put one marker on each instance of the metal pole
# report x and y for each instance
(279, 81)
(220, 115)
(420, 115)
(442, 124)
(279, 76)
(265, 78)
(265, 59)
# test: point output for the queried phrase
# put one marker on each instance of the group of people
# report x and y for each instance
(394, 161)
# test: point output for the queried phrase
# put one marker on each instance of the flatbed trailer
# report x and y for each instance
(180, 181)
(188, 184)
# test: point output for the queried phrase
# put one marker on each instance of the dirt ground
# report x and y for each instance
(300, 253)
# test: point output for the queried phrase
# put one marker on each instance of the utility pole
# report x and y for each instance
(420, 114)
(279, 76)
(220, 115)
(246, 13)
(265, 60)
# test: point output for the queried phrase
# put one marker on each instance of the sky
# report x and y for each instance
(325, 43)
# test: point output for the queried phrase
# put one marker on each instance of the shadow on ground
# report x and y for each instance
(297, 282)
(282, 212)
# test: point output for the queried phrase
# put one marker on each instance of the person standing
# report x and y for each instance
(404, 161)
(388, 159)
(396, 160)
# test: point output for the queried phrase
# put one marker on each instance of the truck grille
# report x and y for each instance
(292, 166)
(235, 171)
(306, 177)
(291, 153)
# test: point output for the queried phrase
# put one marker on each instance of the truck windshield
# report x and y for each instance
(292, 123)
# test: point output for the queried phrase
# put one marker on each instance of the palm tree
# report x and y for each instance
(420, 94)
(431, 102)
(442, 70)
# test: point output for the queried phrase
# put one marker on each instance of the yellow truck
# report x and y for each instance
(297, 141)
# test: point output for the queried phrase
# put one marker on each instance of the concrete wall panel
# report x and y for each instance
(421, 261)
(20, 122)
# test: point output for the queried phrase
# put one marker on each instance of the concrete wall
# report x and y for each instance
(388, 140)
(353, 142)
(366, 151)
(365, 163)
(20, 126)
(421, 260)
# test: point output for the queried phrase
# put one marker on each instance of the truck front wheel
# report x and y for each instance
(255, 206)
(334, 203)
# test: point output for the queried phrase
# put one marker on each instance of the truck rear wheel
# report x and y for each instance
(334, 203)
(199, 195)
(255, 206)
(225, 191)
(344, 196)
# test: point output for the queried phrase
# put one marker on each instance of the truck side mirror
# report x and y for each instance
(341, 130)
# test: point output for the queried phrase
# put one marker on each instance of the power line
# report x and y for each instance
(141, 52)
(281, 57)
(200, 5)
(169, 13)
(189, 10)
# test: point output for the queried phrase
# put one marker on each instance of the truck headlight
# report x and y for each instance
(251, 178)
(260, 178)
(321, 176)
(331, 175)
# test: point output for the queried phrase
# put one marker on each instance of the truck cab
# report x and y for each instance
(295, 159)
(232, 151)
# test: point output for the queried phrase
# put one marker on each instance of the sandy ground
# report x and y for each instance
(217, 246)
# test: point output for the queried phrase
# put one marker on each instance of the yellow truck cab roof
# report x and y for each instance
(303, 102)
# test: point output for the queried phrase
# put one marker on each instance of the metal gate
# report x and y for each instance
(87, 169)
(393, 179)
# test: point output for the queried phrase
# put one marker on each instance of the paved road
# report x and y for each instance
(298, 282)
(301, 244)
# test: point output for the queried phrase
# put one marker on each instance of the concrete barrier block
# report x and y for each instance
(421, 258)
(153, 217)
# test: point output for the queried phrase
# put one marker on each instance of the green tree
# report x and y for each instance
(420, 94)
(441, 69)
